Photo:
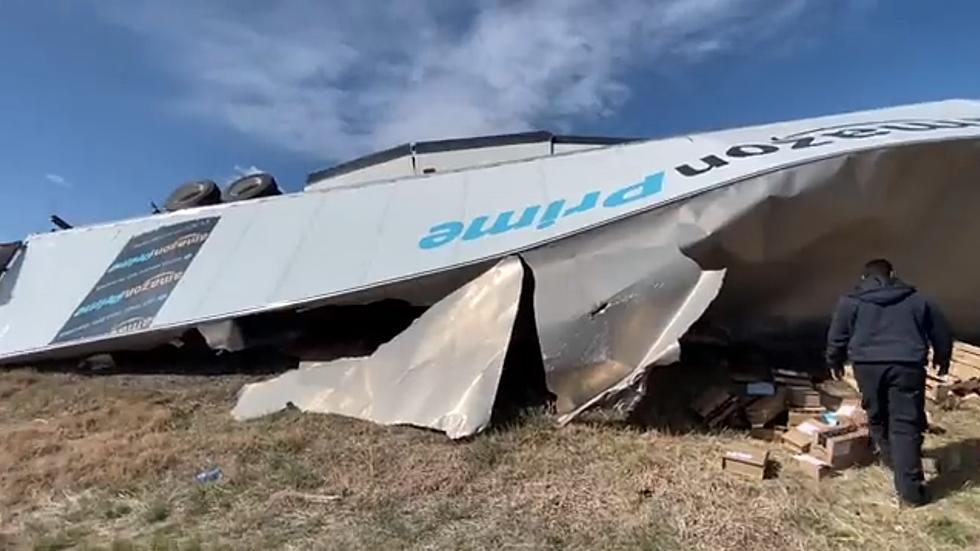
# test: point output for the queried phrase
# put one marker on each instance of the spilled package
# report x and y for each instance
(842, 447)
(763, 410)
(746, 461)
(815, 469)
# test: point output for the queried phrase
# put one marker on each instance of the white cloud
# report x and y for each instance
(337, 79)
(241, 171)
(58, 180)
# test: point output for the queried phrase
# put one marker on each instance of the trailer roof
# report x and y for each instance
(459, 144)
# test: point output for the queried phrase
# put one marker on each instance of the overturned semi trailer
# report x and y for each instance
(627, 245)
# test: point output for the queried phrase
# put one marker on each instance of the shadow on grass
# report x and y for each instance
(959, 467)
(169, 360)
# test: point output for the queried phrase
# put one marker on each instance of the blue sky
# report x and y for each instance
(107, 105)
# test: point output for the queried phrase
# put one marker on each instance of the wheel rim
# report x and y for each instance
(247, 186)
(189, 194)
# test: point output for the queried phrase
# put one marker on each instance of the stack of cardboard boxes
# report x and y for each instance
(767, 407)
(834, 441)
(824, 431)
(963, 381)
(822, 427)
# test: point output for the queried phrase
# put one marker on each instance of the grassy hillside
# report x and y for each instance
(109, 463)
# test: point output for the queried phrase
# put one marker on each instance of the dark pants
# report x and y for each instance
(894, 397)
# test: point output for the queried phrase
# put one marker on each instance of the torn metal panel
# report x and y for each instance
(632, 297)
(442, 372)
(794, 240)
(790, 242)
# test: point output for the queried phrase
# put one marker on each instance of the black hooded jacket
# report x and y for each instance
(886, 321)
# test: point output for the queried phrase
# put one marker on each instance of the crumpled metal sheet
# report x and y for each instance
(441, 373)
(611, 303)
(632, 296)
(794, 240)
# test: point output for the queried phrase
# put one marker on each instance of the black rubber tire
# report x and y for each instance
(193, 194)
(252, 186)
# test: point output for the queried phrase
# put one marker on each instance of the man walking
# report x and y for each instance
(885, 328)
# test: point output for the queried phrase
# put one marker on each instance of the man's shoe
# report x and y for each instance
(912, 502)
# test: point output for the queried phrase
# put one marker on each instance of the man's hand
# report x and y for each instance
(836, 371)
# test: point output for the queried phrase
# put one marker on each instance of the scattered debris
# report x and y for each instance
(321, 499)
(715, 405)
(822, 426)
(211, 475)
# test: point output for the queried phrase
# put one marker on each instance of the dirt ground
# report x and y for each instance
(108, 462)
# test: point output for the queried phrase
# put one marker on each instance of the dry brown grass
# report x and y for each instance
(108, 463)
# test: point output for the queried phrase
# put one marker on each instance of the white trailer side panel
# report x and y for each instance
(295, 249)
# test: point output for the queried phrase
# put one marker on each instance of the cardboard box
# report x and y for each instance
(966, 361)
(765, 409)
(814, 469)
(800, 438)
(843, 446)
(804, 397)
(801, 415)
(715, 405)
(746, 461)
(851, 412)
(791, 377)
(797, 442)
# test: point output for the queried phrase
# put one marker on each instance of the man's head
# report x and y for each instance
(878, 267)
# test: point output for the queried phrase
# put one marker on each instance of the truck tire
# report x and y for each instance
(193, 194)
(252, 186)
